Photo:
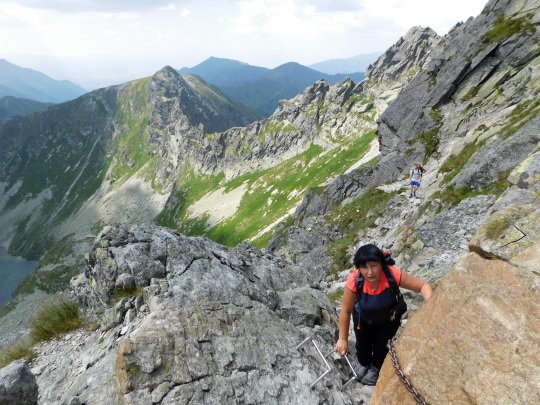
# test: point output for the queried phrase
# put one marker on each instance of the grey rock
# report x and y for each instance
(111, 316)
(302, 306)
(498, 156)
(139, 302)
(130, 316)
(18, 384)
(512, 231)
(125, 281)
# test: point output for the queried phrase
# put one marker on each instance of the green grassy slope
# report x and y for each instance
(269, 196)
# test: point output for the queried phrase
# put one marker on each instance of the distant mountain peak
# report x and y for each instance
(257, 87)
(167, 71)
(30, 84)
(358, 63)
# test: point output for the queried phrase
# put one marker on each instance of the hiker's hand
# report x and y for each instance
(341, 346)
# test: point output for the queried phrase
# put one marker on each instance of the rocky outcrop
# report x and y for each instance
(18, 384)
(210, 325)
(473, 342)
(398, 66)
(512, 230)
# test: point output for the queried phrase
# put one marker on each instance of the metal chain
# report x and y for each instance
(417, 396)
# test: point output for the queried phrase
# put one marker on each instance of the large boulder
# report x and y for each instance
(475, 341)
(18, 384)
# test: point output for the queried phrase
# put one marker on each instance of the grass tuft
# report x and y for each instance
(20, 351)
(506, 27)
(55, 319)
(52, 320)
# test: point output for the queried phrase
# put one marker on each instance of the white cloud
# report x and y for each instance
(74, 6)
(167, 7)
(440, 16)
(134, 38)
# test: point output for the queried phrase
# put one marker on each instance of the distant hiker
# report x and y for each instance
(372, 297)
(415, 178)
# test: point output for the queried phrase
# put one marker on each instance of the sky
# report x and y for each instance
(95, 43)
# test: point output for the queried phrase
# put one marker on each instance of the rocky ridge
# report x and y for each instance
(212, 325)
(91, 146)
(321, 115)
(398, 66)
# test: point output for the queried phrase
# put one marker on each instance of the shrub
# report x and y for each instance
(451, 196)
(430, 140)
(497, 226)
(336, 296)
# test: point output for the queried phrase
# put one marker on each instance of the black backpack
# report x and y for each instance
(401, 306)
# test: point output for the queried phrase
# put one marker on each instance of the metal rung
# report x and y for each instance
(329, 369)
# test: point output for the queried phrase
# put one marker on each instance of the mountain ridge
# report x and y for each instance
(10, 106)
(119, 110)
(30, 84)
(261, 88)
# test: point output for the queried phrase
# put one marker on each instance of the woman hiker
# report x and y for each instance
(415, 178)
(379, 310)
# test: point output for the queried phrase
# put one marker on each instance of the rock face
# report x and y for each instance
(18, 384)
(512, 230)
(471, 95)
(474, 341)
(398, 66)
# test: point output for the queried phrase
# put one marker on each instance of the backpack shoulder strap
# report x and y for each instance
(360, 280)
(392, 281)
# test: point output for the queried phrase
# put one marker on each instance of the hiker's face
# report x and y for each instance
(371, 271)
